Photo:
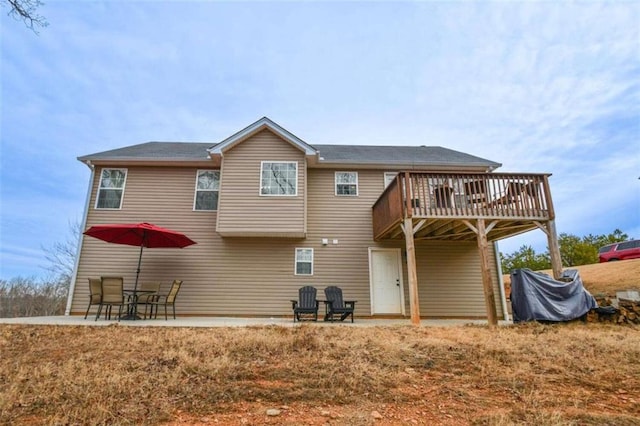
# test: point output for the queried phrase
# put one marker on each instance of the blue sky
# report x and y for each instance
(538, 87)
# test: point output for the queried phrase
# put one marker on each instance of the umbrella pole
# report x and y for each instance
(135, 286)
(132, 313)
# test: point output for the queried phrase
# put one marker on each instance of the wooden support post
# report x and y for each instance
(414, 302)
(554, 249)
(485, 265)
(407, 195)
(552, 234)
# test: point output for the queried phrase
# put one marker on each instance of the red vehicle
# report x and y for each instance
(619, 251)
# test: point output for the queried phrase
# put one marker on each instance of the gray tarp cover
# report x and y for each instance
(538, 297)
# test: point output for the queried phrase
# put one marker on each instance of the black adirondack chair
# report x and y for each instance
(335, 305)
(306, 305)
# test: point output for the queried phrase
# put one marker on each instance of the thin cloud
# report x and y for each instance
(538, 87)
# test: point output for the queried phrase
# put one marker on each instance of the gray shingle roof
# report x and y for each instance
(155, 150)
(417, 155)
(339, 154)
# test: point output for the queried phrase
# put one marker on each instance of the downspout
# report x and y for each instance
(72, 284)
(503, 297)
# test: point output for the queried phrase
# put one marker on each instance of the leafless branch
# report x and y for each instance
(62, 255)
(27, 11)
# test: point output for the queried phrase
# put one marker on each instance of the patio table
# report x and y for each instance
(134, 295)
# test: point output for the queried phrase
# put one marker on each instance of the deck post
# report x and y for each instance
(552, 233)
(414, 302)
(485, 266)
(554, 249)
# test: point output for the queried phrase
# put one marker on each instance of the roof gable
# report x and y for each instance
(358, 156)
(258, 126)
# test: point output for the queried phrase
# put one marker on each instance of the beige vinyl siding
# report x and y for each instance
(256, 276)
(455, 290)
(241, 276)
(450, 281)
(348, 220)
(242, 210)
(162, 196)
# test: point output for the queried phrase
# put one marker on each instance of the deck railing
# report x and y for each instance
(463, 196)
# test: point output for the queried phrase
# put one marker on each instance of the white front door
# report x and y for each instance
(387, 294)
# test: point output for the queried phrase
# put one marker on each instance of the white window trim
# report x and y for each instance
(295, 263)
(195, 192)
(335, 185)
(262, 163)
(384, 178)
(124, 184)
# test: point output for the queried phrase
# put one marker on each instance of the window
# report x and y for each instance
(279, 178)
(207, 188)
(304, 261)
(606, 248)
(389, 177)
(627, 245)
(346, 183)
(111, 188)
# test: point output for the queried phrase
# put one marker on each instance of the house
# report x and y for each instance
(404, 230)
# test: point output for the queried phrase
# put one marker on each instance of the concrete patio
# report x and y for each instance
(236, 322)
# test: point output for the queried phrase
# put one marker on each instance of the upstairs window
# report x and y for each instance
(304, 261)
(347, 183)
(389, 177)
(279, 178)
(207, 189)
(111, 189)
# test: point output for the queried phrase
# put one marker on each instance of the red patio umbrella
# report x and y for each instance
(139, 234)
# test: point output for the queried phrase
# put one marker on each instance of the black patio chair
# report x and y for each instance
(306, 305)
(335, 305)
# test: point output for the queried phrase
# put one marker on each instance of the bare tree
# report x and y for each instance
(30, 297)
(27, 12)
(62, 255)
(27, 297)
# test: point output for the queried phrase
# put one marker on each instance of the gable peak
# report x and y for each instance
(252, 129)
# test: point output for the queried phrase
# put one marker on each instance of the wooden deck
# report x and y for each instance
(445, 206)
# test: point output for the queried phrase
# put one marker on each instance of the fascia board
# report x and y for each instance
(408, 166)
(137, 161)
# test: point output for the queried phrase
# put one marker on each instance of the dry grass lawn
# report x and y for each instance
(564, 374)
(529, 374)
